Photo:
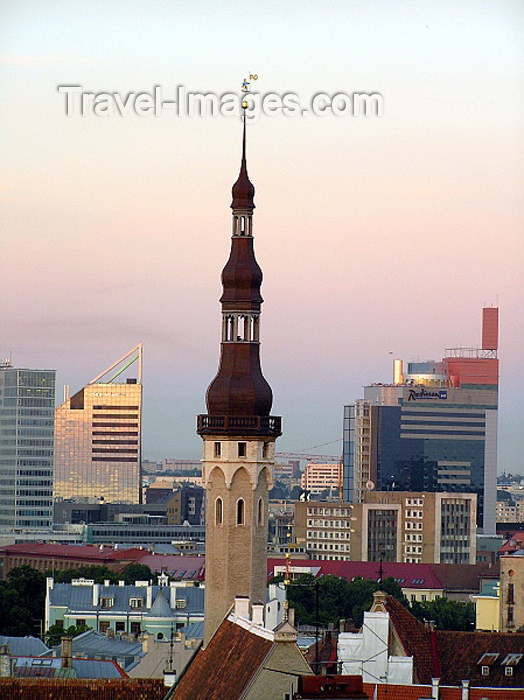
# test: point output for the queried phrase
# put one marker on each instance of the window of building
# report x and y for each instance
(106, 602)
(265, 450)
(104, 626)
(511, 593)
(240, 509)
(135, 603)
(219, 511)
(79, 623)
(218, 449)
(120, 627)
(181, 603)
(260, 511)
(242, 449)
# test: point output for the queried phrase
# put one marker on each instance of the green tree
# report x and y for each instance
(22, 598)
(136, 572)
(54, 634)
(446, 614)
(338, 598)
(98, 573)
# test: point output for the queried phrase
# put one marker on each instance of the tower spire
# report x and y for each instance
(243, 190)
(238, 431)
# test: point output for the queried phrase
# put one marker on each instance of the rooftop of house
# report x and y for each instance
(79, 598)
(24, 646)
(235, 654)
(87, 552)
(75, 689)
(416, 576)
(49, 667)
(455, 656)
(230, 660)
(95, 644)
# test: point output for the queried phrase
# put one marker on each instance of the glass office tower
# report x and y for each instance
(27, 416)
(433, 429)
(98, 430)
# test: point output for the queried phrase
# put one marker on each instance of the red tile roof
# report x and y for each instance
(417, 641)
(227, 665)
(460, 652)
(86, 552)
(408, 575)
(454, 656)
(515, 543)
(415, 692)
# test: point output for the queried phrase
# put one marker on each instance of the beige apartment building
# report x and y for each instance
(319, 477)
(511, 592)
(411, 527)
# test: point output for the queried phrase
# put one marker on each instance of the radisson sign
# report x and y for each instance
(422, 394)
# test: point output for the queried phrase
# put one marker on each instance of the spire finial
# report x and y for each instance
(243, 190)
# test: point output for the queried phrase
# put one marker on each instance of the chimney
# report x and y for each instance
(434, 688)
(149, 596)
(106, 583)
(5, 661)
(172, 595)
(242, 607)
(465, 690)
(96, 591)
(342, 625)
(144, 638)
(258, 614)
(121, 583)
(67, 652)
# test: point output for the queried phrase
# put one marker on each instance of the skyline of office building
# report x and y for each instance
(433, 429)
(27, 414)
(98, 437)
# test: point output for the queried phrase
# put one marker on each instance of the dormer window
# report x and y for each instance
(135, 603)
(106, 603)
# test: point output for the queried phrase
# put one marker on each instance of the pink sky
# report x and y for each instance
(375, 235)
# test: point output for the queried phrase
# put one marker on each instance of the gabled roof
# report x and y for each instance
(455, 656)
(24, 646)
(227, 665)
(416, 639)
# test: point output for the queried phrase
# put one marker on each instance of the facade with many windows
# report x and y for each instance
(27, 400)
(98, 437)
(392, 526)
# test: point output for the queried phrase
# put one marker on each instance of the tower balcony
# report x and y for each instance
(263, 426)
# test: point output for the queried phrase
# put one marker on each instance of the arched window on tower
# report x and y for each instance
(241, 508)
(219, 511)
(260, 518)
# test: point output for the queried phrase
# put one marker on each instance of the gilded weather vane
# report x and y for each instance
(247, 83)
(246, 88)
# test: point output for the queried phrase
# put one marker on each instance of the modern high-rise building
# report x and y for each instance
(416, 528)
(238, 431)
(433, 429)
(97, 438)
(27, 418)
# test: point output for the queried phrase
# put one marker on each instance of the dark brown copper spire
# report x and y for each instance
(239, 398)
(243, 190)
